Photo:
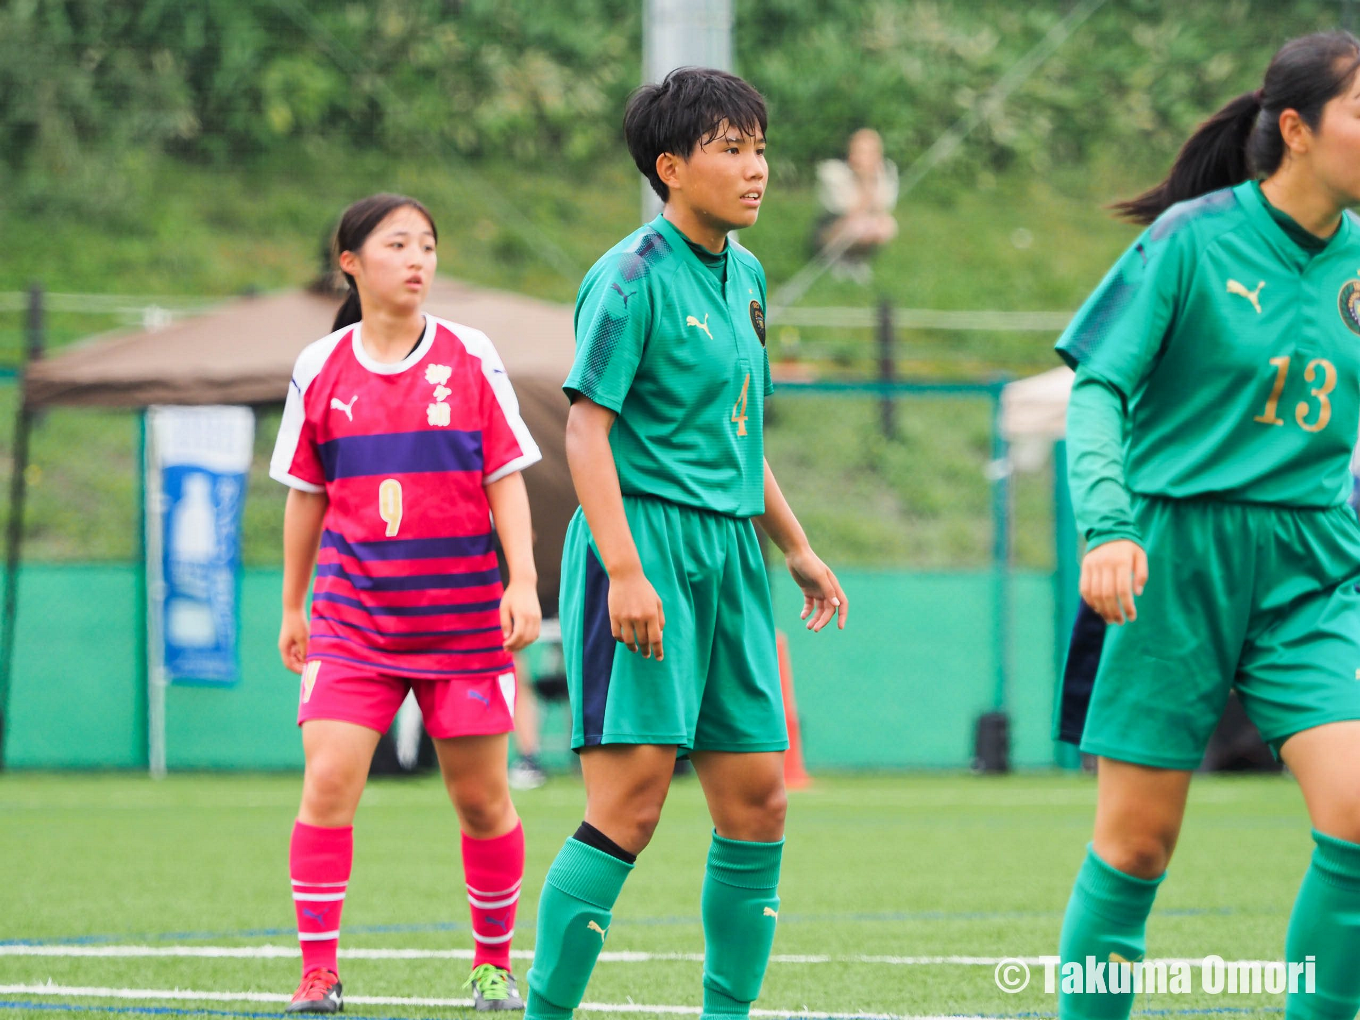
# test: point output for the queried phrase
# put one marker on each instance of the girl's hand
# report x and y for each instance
(520, 615)
(1111, 575)
(635, 614)
(293, 637)
(823, 597)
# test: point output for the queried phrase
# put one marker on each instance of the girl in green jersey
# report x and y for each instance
(1215, 406)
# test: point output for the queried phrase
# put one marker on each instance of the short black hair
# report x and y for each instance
(685, 110)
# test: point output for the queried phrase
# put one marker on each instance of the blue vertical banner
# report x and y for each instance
(198, 462)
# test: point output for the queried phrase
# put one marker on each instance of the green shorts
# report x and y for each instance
(1262, 599)
(717, 689)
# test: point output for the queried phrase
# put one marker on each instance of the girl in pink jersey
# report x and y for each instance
(401, 441)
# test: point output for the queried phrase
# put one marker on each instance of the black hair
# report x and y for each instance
(685, 110)
(356, 223)
(1243, 139)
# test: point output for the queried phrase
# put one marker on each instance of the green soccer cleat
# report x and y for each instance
(493, 988)
(319, 993)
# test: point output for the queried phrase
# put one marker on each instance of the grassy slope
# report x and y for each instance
(902, 866)
(176, 230)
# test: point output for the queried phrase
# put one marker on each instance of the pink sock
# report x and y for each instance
(319, 861)
(494, 869)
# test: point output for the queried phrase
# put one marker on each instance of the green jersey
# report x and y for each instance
(680, 357)
(1237, 353)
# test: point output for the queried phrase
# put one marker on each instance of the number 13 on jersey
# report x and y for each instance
(1303, 411)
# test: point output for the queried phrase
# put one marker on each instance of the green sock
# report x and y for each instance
(1106, 916)
(1325, 925)
(574, 912)
(739, 907)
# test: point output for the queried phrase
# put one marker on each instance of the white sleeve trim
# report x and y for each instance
(309, 364)
(518, 464)
(294, 482)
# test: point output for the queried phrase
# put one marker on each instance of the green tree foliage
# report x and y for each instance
(86, 83)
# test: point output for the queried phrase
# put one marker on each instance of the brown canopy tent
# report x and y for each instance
(242, 352)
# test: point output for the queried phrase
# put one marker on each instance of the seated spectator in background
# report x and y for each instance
(858, 194)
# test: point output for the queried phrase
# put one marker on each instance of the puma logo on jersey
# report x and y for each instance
(771, 912)
(692, 321)
(1254, 296)
(339, 405)
(595, 927)
(623, 294)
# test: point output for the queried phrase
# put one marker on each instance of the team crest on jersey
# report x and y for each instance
(758, 321)
(438, 414)
(1348, 304)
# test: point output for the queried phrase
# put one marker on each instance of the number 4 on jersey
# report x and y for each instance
(739, 415)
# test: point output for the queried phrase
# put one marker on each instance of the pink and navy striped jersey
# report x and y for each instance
(406, 577)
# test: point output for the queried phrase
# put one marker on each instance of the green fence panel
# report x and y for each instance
(253, 723)
(900, 688)
(73, 700)
(903, 685)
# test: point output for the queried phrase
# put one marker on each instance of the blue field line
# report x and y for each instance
(442, 926)
(254, 1015)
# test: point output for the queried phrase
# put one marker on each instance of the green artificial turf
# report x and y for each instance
(876, 866)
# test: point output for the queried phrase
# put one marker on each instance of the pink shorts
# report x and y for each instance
(452, 708)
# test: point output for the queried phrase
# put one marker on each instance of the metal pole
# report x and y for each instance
(151, 712)
(1001, 551)
(886, 368)
(682, 33)
(18, 483)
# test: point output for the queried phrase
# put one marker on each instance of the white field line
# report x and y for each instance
(268, 952)
(184, 994)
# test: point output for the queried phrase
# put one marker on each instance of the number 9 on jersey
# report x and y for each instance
(389, 504)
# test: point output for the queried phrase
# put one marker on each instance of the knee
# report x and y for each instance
(1143, 856)
(329, 793)
(482, 810)
(771, 808)
(645, 821)
(757, 817)
(1343, 824)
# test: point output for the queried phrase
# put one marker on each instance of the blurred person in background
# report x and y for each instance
(401, 439)
(666, 449)
(1210, 432)
(526, 772)
(858, 195)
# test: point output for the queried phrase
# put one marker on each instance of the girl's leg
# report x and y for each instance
(322, 848)
(474, 770)
(740, 900)
(626, 785)
(1138, 819)
(1325, 923)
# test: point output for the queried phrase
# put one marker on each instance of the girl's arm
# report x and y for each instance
(1115, 567)
(302, 517)
(520, 611)
(635, 614)
(823, 597)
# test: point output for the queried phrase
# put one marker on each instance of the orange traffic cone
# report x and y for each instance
(795, 774)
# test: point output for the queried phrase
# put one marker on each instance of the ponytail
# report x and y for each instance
(350, 312)
(1214, 157)
(1243, 139)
